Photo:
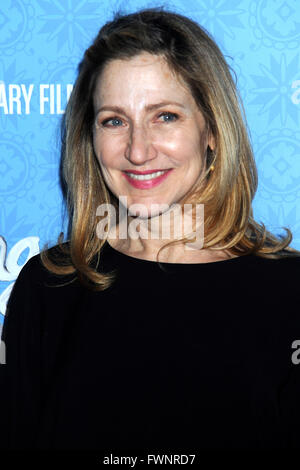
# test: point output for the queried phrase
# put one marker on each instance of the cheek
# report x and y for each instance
(96, 145)
(172, 142)
(185, 148)
(196, 143)
(107, 149)
(185, 136)
(101, 150)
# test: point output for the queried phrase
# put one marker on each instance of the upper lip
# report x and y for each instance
(135, 172)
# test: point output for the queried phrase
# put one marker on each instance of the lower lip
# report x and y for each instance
(147, 184)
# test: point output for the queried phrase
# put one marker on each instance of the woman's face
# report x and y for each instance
(147, 121)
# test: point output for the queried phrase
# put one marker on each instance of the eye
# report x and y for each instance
(171, 117)
(113, 120)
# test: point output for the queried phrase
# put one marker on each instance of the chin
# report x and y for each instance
(143, 214)
(147, 211)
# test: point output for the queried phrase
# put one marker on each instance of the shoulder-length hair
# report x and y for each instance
(228, 192)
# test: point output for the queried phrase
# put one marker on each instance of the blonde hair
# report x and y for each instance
(228, 191)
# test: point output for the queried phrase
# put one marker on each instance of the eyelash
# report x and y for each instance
(166, 113)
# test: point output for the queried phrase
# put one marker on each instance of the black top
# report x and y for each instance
(195, 356)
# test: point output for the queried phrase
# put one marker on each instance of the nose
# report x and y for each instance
(140, 148)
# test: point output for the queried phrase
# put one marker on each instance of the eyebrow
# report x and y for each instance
(149, 107)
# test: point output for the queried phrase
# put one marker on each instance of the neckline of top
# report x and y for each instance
(224, 262)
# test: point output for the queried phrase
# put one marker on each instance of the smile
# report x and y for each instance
(146, 177)
(148, 180)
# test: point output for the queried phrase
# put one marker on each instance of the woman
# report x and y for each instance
(125, 339)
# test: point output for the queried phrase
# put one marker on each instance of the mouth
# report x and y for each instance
(147, 179)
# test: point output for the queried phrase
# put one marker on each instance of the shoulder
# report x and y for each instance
(32, 268)
(37, 289)
(283, 272)
(275, 280)
(287, 262)
(35, 273)
(32, 272)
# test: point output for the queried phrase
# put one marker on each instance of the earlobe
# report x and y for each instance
(211, 142)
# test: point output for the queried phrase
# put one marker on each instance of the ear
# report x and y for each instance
(211, 141)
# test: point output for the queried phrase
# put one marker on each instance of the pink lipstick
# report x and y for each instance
(146, 179)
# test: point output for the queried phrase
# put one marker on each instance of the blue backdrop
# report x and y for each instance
(41, 44)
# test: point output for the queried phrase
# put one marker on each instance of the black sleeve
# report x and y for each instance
(20, 390)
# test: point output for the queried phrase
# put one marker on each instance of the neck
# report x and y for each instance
(146, 236)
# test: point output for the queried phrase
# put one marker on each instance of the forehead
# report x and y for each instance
(140, 74)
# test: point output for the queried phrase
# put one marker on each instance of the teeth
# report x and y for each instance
(150, 176)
